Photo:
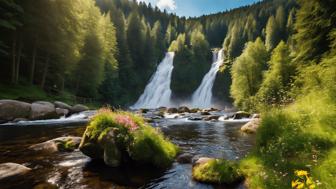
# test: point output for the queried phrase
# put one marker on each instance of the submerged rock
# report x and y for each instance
(195, 118)
(78, 108)
(211, 118)
(184, 158)
(61, 144)
(11, 109)
(216, 171)
(43, 110)
(11, 170)
(251, 126)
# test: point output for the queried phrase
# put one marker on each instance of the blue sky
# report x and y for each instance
(198, 7)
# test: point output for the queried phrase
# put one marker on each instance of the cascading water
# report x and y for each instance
(157, 92)
(202, 97)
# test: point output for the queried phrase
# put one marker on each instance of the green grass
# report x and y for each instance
(217, 171)
(143, 143)
(298, 137)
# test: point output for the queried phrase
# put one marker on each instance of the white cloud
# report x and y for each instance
(166, 4)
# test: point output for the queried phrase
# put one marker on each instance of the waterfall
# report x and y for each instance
(157, 92)
(202, 97)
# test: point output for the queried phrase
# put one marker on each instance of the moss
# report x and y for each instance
(124, 133)
(150, 146)
(217, 171)
(66, 146)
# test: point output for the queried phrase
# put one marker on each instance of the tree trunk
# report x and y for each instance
(32, 67)
(45, 72)
(18, 61)
(13, 58)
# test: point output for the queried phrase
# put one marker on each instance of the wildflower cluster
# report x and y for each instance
(126, 121)
(303, 181)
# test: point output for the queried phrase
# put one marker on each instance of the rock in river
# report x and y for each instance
(251, 126)
(62, 105)
(78, 108)
(121, 137)
(183, 109)
(172, 110)
(10, 170)
(61, 144)
(11, 109)
(43, 110)
(216, 171)
(184, 158)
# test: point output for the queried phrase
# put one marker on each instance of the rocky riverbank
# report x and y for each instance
(14, 111)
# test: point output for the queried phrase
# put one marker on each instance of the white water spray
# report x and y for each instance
(202, 97)
(157, 92)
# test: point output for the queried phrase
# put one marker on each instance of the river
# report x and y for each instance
(75, 170)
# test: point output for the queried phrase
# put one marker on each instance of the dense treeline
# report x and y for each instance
(110, 55)
(67, 49)
(263, 75)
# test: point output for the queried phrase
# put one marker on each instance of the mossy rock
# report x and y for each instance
(216, 171)
(119, 137)
(60, 144)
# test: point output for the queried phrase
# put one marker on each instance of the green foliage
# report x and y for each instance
(298, 137)
(247, 74)
(271, 33)
(133, 136)
(277, 79)
(315, 21)
(191, 62)
(217, 171)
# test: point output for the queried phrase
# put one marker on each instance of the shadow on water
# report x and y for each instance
(75, 170)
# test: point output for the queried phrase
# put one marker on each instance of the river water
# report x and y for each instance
(75, 170)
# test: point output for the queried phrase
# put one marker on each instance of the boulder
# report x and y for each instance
(11, 109)
(11, 170)
(143, 110)
(61, 144)
(106, 149)
(183, 109)
(78, 108)
(184, 158)
(216, 171)
(211, 118)
(194, 110)
(62, 112)
(205, 113)
(172, 110)
(43, 110)
(251, 126)
(62, 105)
(241, 115)
(119, 138)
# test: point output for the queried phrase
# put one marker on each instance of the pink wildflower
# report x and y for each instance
(127, 122)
